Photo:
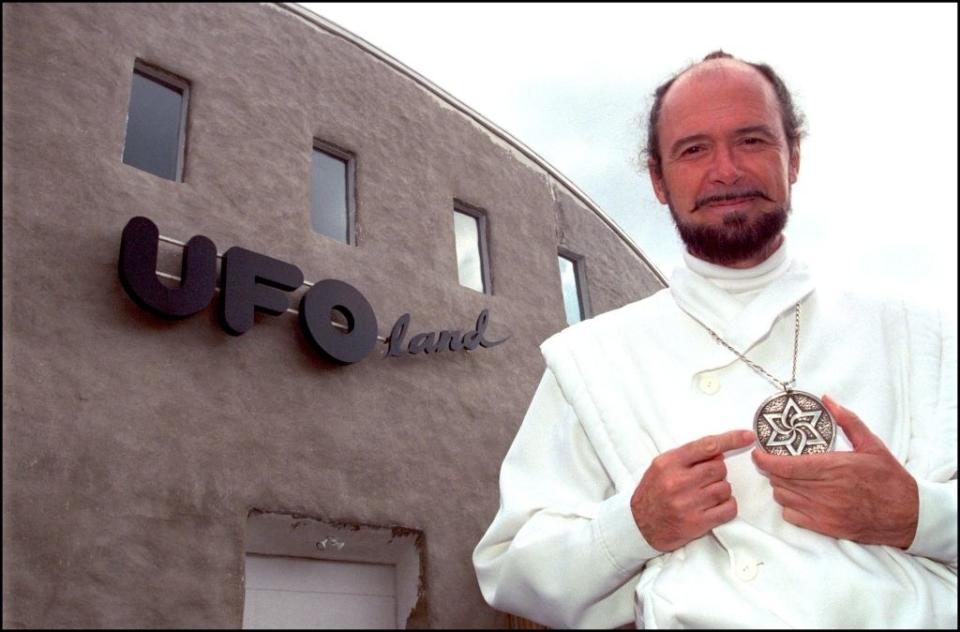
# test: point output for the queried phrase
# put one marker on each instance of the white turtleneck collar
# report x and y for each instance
(743, 283)
(741, 305)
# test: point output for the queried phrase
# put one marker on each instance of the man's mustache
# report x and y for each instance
(730, 195)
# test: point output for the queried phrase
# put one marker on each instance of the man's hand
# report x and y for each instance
(683, 494)
(865, 495)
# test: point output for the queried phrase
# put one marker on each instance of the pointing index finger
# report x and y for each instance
(706, 448)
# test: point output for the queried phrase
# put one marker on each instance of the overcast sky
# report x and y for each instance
(875, 205)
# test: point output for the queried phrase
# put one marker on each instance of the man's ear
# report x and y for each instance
(794, 163)
(656, 180)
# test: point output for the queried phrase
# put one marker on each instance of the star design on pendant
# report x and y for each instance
(794, 428)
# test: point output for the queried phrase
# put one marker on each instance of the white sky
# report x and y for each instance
(875, 205)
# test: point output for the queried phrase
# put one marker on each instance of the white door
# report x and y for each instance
(297, 592)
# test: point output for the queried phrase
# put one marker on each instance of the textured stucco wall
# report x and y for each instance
(134, 448)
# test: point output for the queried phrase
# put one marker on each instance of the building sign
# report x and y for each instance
(251, 282)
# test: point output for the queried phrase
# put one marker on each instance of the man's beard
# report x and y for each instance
(737, 239)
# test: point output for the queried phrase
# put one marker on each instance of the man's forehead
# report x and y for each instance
(694, 88)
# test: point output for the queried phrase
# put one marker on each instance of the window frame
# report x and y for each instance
(335, 151)
(483, 243)
(580, 277)
(165, 78)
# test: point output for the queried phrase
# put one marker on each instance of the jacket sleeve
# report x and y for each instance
(932, 457)
(563, 550)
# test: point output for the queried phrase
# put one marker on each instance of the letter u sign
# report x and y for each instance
(138, 272)
(250, 282)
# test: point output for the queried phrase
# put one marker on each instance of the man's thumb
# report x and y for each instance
(857, 431)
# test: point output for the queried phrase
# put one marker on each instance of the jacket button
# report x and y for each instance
(747, 571)
(709, 383)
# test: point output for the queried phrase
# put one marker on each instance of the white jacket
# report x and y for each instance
(623, 387)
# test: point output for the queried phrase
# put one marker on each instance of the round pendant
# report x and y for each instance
(792, 423)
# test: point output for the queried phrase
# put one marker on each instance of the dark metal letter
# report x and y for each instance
(250, 282)
(138, 272)
(456, 340)
(482, 328)
(447, 340)
(473, 339)
(316, 308)
(395, 346)
(421, 342)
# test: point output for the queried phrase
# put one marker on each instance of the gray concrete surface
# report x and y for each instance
(134, 448)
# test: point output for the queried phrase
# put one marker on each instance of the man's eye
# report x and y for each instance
(752, 140)
(690, 151)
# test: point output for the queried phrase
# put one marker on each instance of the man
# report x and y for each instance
(631, 494)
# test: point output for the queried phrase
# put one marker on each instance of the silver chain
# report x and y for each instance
(786, 386)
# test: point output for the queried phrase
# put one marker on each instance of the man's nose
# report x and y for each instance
(724, 169)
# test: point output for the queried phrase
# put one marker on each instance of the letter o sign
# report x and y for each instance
(337, 346)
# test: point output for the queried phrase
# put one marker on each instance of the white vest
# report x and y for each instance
(625, 386)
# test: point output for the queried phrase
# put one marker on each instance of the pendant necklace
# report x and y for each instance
(790, 422)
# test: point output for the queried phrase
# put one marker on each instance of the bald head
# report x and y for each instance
(725, 66)
(728, 70)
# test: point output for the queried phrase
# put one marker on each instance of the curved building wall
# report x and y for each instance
(136, 449)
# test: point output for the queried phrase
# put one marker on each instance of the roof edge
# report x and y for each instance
(492, 127)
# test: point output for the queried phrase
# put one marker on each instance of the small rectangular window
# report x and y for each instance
(331, 195)
(469, 226)
(155, 122)
(575, 302)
